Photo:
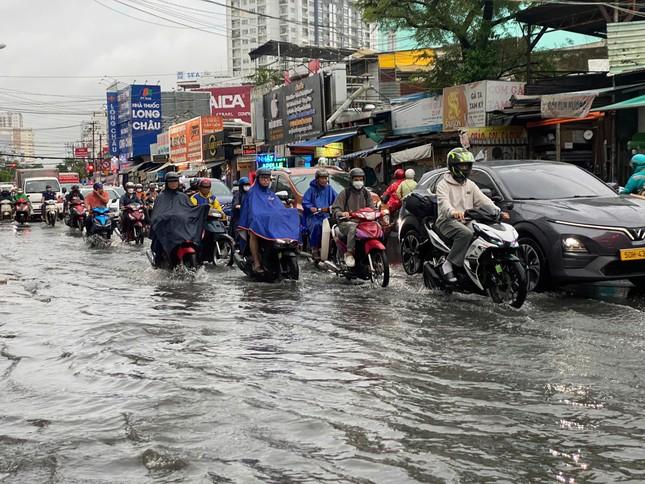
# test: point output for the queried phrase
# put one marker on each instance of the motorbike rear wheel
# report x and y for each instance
(381, 273)
(510, 285)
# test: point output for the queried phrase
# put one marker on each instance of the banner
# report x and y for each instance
(418, 117)
(566, 105)
(113, 122)
(231, 102)
(294, 112)
(498, 135)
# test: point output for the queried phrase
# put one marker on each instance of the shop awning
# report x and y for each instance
(313, 143)
(635, 102)
(375, 149)
(412, 154)
(553, 121)
(165, 165)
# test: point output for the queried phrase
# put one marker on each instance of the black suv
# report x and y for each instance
(573, 227)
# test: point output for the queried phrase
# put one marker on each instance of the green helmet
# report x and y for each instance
(460, 163)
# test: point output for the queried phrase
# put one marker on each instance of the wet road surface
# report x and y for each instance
(112, 372)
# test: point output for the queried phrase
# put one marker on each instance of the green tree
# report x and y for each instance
(265, 75)
(468, 32)
(70, 165)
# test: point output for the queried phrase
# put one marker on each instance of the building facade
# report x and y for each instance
(251, 23)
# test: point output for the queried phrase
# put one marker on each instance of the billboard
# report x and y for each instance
(466, 106)
(139, 119)
(186, 139)
(294, 112)
(145, 107)
(421, 116)
(113, 122)
(231, 102)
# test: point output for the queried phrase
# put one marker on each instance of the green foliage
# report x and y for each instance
(265, 75)
(471, 34)
(72, 165)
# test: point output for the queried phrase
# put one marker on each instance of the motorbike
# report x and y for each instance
(186, 254)
(50, 212)
(5, 209)
(102, 226)
(76, 214)
(279, 257)
(369, 253)
(492, 266)
(217, 246)
(22, 211)
(136, 228)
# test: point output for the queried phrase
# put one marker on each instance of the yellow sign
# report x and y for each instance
(498, 135)
(332, 150)
(408, 60)
(632, 254)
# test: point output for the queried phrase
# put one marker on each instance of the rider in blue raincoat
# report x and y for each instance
(263, 216)
(316, 202)
(636, 182)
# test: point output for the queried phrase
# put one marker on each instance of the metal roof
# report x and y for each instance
(585, 18)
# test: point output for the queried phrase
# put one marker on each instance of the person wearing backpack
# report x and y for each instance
(352, 198)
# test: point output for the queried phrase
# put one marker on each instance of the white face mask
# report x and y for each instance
(130, 191)
(358, 184)
(246, 188)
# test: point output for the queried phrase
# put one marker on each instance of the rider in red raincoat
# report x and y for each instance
(389, 196)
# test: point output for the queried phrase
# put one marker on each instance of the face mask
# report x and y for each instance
(130, 191)
(358, 184)
(246, 188)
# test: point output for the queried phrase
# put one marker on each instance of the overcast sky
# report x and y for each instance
(84, 38)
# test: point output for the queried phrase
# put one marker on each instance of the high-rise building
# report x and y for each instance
(319, 23)
(10, 119)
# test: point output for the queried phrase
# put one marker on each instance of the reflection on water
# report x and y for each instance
(109, 368)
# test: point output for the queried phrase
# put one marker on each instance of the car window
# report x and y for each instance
(38, 186)
(482, 180)
(338, 181)
(551, 182)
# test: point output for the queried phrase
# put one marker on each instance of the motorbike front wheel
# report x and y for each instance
(508, 284)
(223, 253)
(290, 267)
(380, 269)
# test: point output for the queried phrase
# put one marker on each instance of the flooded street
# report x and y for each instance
(112, 372)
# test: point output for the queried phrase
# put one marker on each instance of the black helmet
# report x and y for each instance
(354, 172)
(460, 163)
(172, 176)
(263, 172)
(194, 184)
(322, 173)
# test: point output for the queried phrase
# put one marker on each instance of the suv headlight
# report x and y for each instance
(573, 245)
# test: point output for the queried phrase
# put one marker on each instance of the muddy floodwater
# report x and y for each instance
(112, 372)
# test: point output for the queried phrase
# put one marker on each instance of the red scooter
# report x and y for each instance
(135, 216)
(369, 253)
(22, 210)
(76, 214)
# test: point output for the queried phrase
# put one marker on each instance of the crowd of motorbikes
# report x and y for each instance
(492, 267)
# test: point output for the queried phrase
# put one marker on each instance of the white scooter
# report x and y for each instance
(492, 266)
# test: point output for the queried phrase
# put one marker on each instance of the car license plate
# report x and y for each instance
(632, 254)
